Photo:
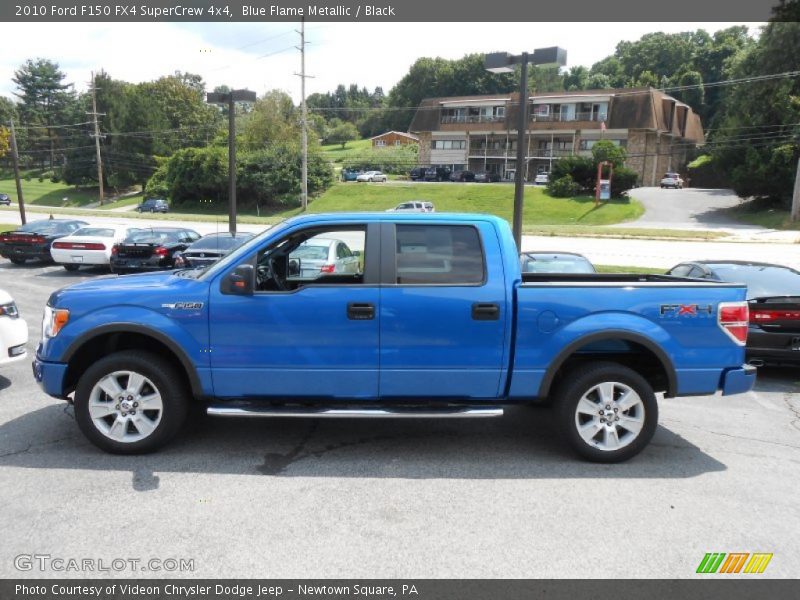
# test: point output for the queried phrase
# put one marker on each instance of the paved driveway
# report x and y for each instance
(429, 498)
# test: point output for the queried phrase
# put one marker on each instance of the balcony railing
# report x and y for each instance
(578, 116)
(471, 119)
(512, 152)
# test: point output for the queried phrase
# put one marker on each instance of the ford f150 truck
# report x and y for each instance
(436, 321)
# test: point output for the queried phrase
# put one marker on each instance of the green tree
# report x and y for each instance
(605, 150)
(341, 133)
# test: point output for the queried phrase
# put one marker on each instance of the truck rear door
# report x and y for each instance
(444, 310)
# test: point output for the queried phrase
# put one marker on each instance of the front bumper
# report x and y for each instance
(50, 377)
(738, 381)
(13, 335)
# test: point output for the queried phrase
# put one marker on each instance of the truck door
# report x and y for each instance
(443, 310)
(310, 329)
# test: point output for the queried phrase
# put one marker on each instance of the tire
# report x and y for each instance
(17, 261)
(129, 429)
(71, 268)
(152, 210)
(577, 402)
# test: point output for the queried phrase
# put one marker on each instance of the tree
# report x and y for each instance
(576, 78)
(274, 118)
(342, 132)
(607, 151)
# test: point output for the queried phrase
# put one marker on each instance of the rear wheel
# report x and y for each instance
(606, 412)
(131, 402)
(72, 267)
(17, 261)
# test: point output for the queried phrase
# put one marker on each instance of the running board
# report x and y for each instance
(221, 410)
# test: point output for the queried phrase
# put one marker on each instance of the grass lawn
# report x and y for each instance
(335, 152)
(765, 214)
(497, 199)
(127, 201)
(47, 193)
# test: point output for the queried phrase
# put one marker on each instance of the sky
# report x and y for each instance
(262, 57)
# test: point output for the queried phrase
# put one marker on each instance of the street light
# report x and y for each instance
(230, 98)
(502, 62)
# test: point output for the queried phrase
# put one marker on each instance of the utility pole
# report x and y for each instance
(15, 157)
(796, 196)
(96, 137)
(304, 112)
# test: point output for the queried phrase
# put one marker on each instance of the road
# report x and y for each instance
(359, 498)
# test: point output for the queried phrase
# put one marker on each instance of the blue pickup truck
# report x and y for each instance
(412, 315)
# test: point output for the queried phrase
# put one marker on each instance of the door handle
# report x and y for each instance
(360, 311)
(485, 311)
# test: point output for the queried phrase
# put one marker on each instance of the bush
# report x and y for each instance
(581, 169)
(396, 160)
(623, 180)
(564, 187)
(55, 178)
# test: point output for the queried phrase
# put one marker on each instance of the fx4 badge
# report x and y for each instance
(686, 310)
(184, 305)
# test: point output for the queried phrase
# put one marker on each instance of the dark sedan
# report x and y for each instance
(33, 240)
(151, 249)
(774, 295)
(555, 262)
(486, 177)
(209, 249)
(5, 199)
(462, 176)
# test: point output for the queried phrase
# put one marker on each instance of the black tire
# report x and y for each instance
(71, 268)
(17, 261)
(580, 381)
(152, 210)
(175, 399)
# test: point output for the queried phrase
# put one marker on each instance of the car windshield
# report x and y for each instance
(151, 236)
(94, 232)
(551, 263)
(224, 242)
(762, 280)
(45, 227)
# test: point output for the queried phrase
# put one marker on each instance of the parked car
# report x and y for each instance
(372, 176)
(555, 262)
(541, 179)
(439, 323)
(417, 173)
(209, 249)
(487, 177)
(437, 174)
(88, 246)
(413, 206)
(5, 199)
(672, 180)
(462, 176)
(151, 249)
(322, 256)
(154, 205)
(13, 331)
(773, 292)
(349, 174)
(33, 240)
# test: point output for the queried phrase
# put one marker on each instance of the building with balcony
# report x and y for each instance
(479, 133)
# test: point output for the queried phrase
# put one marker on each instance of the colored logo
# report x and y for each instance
(734, 562)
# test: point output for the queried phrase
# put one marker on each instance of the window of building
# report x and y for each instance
(448, 144)
(439, 255)
(380, 142)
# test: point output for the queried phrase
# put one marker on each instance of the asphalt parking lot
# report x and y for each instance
(358, 498)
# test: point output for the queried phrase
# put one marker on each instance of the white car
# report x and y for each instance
(371, 176)
(541, 179)
(13, 331)
(413, 206)
(88, 245)
(672, 180)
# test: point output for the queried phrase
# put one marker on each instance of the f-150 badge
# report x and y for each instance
(184, 305)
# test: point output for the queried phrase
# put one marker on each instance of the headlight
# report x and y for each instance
(53, 321)
(9, 310)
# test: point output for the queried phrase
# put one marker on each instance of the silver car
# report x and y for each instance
(322, 256)
(413, 206)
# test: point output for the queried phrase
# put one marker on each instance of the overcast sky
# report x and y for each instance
(262, 56)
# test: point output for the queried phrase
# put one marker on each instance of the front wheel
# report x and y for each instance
(607, 412)
(131, 402)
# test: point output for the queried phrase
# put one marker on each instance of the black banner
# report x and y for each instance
(734, 588)
(384, 11)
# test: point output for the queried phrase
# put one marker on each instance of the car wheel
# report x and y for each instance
(152, 210)
(606, 412)
(131, 402)
(71, 267)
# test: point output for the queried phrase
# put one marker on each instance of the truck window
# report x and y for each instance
(439, 255)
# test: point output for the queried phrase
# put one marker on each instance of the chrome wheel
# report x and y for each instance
(125, 406)
(610, 416)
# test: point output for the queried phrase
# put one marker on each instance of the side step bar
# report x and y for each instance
(222, 410)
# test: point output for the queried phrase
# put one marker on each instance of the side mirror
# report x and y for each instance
(241, 281)
(294, 267)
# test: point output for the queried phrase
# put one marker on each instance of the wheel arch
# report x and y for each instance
(654, 356)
